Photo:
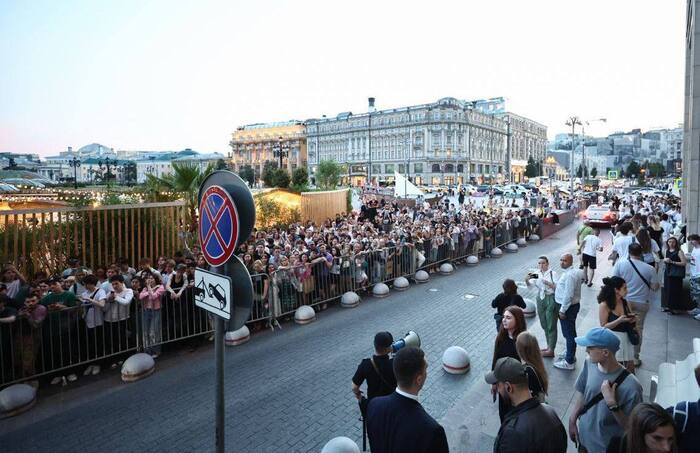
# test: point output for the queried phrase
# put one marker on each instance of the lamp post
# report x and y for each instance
(573, 122)
(75, 163)
(370, 101)
(281, 150)
(107, 163)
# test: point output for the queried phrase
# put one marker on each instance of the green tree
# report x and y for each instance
(300, 178)
(268, 173)
(579, 171)
(247, 174)
(633, 169)
(280, 178)
(594, 172)
(531, 168)
(221, 165)
(184, 180)
(328, 174)
(267, 211)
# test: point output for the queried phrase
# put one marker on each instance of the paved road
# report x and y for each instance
(288, 390)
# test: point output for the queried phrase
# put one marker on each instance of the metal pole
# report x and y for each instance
(571, 169)
(583, 153)
(369, 147)
(219, 403)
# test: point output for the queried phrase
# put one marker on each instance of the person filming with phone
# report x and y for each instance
(547, 308)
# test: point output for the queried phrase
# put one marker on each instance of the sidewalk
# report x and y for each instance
(472, 423)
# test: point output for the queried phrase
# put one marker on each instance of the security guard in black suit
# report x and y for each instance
(398, 423)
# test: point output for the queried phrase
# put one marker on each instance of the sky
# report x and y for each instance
(170, 75)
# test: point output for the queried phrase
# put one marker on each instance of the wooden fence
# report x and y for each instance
(44, 239)
(319, 206)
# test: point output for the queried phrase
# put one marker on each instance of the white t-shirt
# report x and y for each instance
(621, 245)
(695, 262)
(591, 243)
(93, 313)
(637, 290)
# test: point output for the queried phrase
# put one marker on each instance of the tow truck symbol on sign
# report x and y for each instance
(212, 292)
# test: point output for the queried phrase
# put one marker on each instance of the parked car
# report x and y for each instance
(486, 189)
(600, 214)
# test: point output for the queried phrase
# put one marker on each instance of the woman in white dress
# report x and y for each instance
(614, 314)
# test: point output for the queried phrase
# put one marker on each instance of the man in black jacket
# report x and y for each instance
(529, 427)
(398, 423)
(377, 371)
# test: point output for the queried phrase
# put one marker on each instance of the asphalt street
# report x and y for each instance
(287, 390)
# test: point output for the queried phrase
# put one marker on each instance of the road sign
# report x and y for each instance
(213, 293)
(218, 225)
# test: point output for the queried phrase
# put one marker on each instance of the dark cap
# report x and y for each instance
(383, 340)
(507, 369)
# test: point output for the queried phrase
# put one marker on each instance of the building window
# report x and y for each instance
(460, 168)
(418, 168)
(481, 168)
(389, 168)
(436, 168)
(402, 168)
(376, 168)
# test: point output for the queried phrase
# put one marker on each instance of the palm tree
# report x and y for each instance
(184, 180)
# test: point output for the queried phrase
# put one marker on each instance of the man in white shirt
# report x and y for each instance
(117, 316)
(694, 268)
(641, 282)
(667, 228)
(589, 247)
(544, 279)
(568, 297)
(622, 243)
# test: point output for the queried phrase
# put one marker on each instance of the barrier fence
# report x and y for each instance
(39, 343)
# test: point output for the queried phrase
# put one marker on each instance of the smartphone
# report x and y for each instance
(534, 276)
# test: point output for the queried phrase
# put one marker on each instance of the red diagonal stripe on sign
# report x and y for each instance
(213, 229)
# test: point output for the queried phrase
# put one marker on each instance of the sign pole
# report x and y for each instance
(219, 357)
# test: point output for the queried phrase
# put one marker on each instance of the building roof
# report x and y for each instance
(269, 125)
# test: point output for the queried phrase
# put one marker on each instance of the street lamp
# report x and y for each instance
(107, 163)
(281, 150)
(75, 163)
(573, 122)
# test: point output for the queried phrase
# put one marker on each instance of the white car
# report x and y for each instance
(515, 189)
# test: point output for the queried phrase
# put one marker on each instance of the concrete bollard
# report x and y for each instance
(304, 315)
(380, 290)
(341, 445)
(16, 399)
(496, 252)
(137, 366)
(530, 309)
(401, 284)
(446, 268)
(350, 300)
(533, 238)
(512, 248)
(472, 260)
(237, 337)
(521, 242)
(422, 276)
(455, 360)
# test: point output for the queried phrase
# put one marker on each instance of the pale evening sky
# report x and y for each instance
(156, 75)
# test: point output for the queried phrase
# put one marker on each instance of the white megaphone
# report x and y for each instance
(411, 339)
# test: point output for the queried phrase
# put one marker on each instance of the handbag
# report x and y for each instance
(632, 333)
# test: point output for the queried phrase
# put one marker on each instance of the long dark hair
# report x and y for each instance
(645, 419)
(520, 326)
(644, 240)
(607, 291)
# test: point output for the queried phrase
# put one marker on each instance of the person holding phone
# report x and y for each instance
(547, 308)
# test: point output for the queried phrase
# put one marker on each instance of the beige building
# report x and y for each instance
(255, 144)
(690, 191)
(528, 138)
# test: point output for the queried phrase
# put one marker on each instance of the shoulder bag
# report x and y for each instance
(673, 270)
(597, 398)
(646, 282)
(632, 332)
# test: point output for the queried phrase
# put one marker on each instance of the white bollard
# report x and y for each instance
(380, 290)
(341, 445)
(16, 399)
(530, 309)
(512, 248)
(472, 260)
(496, 252)
(138, 366)
(237, 337)
(533, 238)
(446, 269)
(422, 276)
(304, 315)
(350, 300)
(401, 284)
(455, 360)
(521, 242)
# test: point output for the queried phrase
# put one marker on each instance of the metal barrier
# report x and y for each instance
(67, 340)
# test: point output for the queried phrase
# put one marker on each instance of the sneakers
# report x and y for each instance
(697, 317)
(562, 364)
(95, 370)
(88, 370)
(56, 380)
(72, 377)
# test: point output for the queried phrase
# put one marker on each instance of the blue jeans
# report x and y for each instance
(152, 331)
(568, 329)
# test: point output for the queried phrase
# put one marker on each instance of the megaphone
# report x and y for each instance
(411, 339)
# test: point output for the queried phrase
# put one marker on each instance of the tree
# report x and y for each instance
(280, 178)
(300, 178)
(221, 164)
(633, 169)
(247, 174)
(328, 174)
(268, 173)
(594, 172)
(531, 168)
(579, 171)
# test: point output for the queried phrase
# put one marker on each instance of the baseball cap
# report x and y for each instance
(599, 337)
(507, 369)
(383, 340)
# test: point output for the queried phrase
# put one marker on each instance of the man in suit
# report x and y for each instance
(397, 423)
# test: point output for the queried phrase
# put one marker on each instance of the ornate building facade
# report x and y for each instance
(255, 144)
(449, 141)
(528, 138)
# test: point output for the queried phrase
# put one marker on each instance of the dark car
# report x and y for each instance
(485, 188)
